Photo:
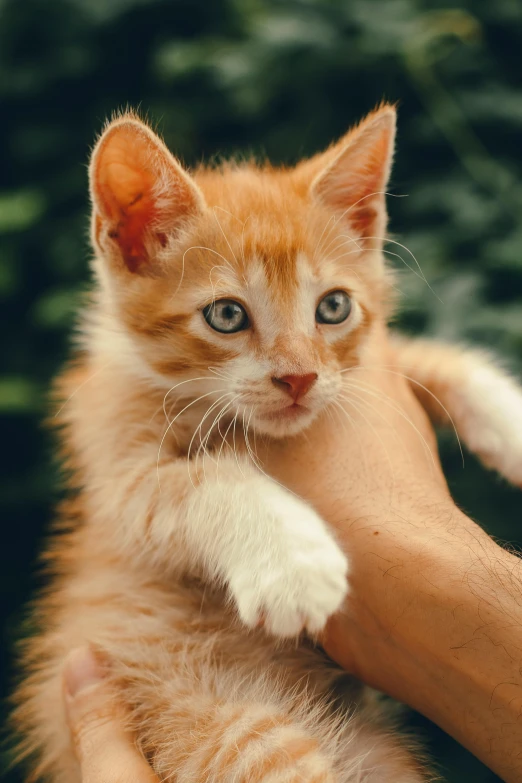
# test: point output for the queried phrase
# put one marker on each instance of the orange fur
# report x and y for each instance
(175, 542)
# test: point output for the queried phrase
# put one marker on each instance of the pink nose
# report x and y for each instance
(295, 385)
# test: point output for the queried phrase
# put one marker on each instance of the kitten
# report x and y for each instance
(230, 299)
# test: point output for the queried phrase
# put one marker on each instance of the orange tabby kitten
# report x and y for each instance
(230, 299)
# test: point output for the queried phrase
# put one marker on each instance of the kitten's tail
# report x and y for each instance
(483, 401)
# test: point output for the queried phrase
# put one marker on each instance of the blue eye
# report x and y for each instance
(226, 316)
(334, 308)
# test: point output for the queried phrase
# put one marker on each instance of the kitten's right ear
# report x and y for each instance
(140, 195)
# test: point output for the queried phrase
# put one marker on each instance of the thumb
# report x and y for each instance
(105, 749)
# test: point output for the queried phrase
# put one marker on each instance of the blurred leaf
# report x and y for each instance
(56, 309)
(20, 209)
(18, 395)
(8, 277)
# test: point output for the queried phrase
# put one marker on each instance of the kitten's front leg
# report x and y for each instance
(282, 565)
(233, 525)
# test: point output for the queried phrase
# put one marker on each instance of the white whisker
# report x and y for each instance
(254, 459)
(363, 198)
(198, 430)
(387, 368)
(416, 429)
(181, 276)
(339, 218)
(227, 212)
(399, 244)
(224, 437)
(225, 237)
(193, 402)
(342, 236)
(342, 242)
(221, 373)
(381, 398)
(412, 270)
(189, 380)
(203, 445)
(332, 217)
(234, 444)
(210, 250)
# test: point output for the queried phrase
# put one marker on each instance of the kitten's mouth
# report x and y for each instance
(293, 411)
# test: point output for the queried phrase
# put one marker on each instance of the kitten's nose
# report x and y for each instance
(296, 385)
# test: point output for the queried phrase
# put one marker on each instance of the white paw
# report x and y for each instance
(489, 419)
(299, 578)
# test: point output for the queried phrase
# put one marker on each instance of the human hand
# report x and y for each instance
(106, 752)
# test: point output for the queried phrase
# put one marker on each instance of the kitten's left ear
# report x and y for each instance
(357, 171)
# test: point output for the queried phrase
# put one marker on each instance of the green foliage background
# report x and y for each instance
(282, 78)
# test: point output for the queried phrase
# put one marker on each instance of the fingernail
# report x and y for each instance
(82, 669)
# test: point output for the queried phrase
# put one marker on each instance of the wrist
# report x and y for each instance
(409, 573)
(402, 570)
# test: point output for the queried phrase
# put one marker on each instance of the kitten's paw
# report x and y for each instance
(488, 414)
(297, 582)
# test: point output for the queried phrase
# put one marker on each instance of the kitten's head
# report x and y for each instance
(251, 285)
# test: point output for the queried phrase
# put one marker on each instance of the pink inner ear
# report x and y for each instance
(358, 193)
(132, 227)
(363, 220)
(354, 183)
(124, 183)
(358, 203)
(129, 167)
(130, 236)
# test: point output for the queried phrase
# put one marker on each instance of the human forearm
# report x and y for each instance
(434, 619)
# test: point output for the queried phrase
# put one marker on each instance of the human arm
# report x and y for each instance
(435, 620)
(434, 616)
